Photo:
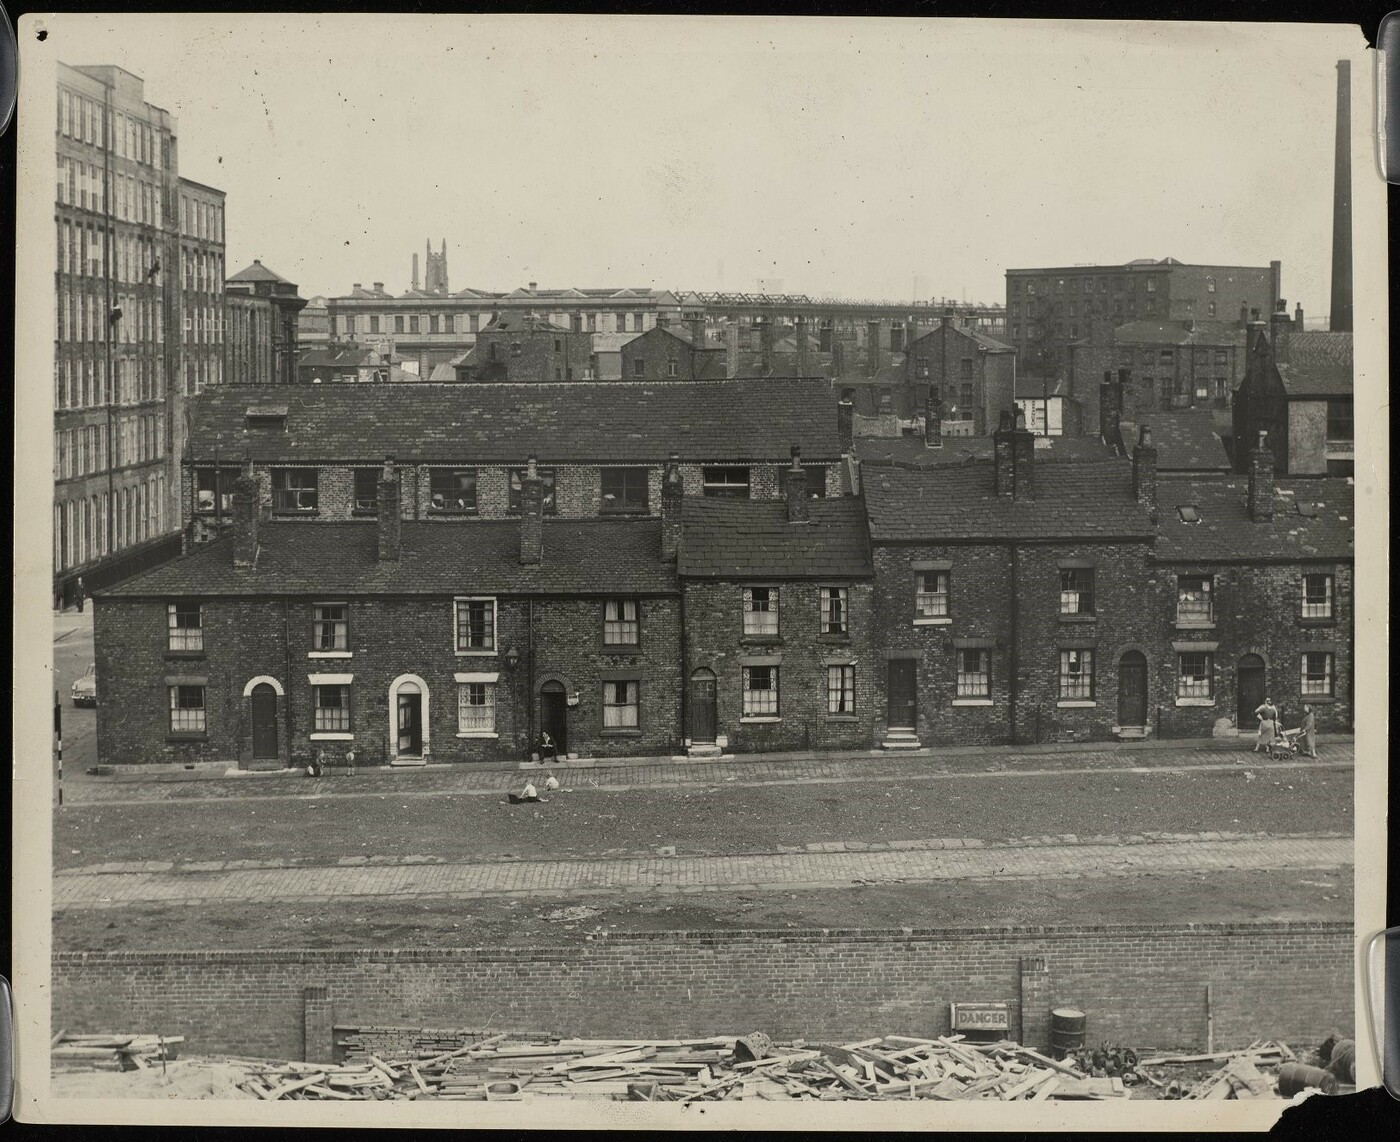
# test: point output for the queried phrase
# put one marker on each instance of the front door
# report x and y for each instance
(1249, 690)
(703, 719)
(264, 721)
(1132, 689)
(410, 722)
(554, 716)
(902, 694)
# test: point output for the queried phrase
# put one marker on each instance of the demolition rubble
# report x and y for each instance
(519, 1068)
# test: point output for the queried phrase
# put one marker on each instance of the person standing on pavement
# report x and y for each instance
(1307, 732)
(1267, 713)
(80, 594)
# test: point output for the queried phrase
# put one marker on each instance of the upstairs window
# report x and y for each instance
(187, 710)
(1076, 675)
(625, 490)
(517, 478)
(476, 626)
(761, 612)
(1076, 591)
(1317, 596)
(731, 483)
(921, 367)
(672, 369)
(621, 624)
(1194, 600)
(816, 481)
(452, 491)
(834, 615)
(965, 368)
(185, 629)
(931, 595)
(330, 627)
(1339, 422)
(294, 489)
(367, 489)
(214, 487)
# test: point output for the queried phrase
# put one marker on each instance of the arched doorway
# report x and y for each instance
(408, 720)
(554, 715)
(1249, 690)
(704, 719)
(263, 693)
(1132, 689)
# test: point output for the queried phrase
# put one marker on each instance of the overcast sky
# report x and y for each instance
(862, 158)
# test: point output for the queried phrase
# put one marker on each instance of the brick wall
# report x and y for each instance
(714, 641)
(523, 355)
(1139, 985)
(389, 638)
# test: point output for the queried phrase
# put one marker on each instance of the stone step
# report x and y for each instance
(901, 743)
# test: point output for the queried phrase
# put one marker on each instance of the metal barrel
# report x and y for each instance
(1294, 1077)
(1067, 1026)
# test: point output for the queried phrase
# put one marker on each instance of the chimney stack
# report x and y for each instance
(1279, 327)
(838, 358)
(534, 286)
(797, 506)
(1340, 319)
(415, 271)
(933, 419)
(731, 347)
(1261, 480)
(1005, 473)
(389, 514)
(1244, 313)
(765, 341)
(872, 347)
(1298, 318)
(1275, 282)
(245, 519)
(697, 332)
(845, 421)
(1145, 471)
(1014, 450)
(1110, 409)
(803, 351)
(532, 514)
(672, 493)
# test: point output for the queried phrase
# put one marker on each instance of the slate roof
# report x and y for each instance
(743, 421)
(911, 452)
(1187, 441)
(581, 556)
(1225, 532)
(257, 272)
(1175, 333)
(1072, 501)
(729, 539)
(1319, 364)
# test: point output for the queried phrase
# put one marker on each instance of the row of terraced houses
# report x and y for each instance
(439, 573)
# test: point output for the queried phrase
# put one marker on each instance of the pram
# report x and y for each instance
(1285, 746)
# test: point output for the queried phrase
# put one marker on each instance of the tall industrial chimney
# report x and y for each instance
(1340, 318)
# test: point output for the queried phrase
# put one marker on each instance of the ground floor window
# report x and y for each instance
(760, 691)
(187, 709)
(974, 675)
(621, 705)
(1076, 674)
(476, 708)
(1316, 674)
(840, 689)
(1195, 675)
(331, 709)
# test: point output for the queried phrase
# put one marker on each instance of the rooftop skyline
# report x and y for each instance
(857, 158)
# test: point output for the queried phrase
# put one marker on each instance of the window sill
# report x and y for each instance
(1203, 702)
(329, 737)
(637, 511)
(482, 734)
(1183, 624)
(618, 648)
(476, 654)
(1328, 622)
(833, 718)
(938, 621)
(188, 736)
(452, 512)
(759, 719)
(834, 638)
(1079, 618)
(330, 654)
(1318, 699)
(184, 654)
(364, 513)
(297, 513)
(981, 702)
(762, 639)
(621, 732)
(1076, 703)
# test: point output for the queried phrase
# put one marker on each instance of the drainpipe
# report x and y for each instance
(1013, 657)
(685, 677)
(287, 688)
(529, 675)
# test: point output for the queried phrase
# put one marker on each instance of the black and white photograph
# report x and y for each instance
(662, 571)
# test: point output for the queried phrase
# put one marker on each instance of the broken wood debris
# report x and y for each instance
(111, 1052)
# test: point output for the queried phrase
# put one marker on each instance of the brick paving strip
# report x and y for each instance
(825, 865)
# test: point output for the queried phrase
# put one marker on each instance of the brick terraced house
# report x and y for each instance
(403, 641)
(316, 450)
(777, 621)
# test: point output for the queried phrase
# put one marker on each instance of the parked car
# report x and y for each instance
(85, 688)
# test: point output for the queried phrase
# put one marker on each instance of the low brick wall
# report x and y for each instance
(1140, 985)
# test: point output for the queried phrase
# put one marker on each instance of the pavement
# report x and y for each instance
(825, 865)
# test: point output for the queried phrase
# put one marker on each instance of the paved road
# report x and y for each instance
(937, 860)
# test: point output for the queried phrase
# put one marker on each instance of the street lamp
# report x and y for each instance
(512, 657)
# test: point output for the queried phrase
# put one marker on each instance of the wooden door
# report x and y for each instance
(264, 702)
(554, 715)
(902, 694)
(1132, 689)
(410, 723)
(704, 720)
(1249, 691)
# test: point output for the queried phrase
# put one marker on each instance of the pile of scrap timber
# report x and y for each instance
(499, 1068)
(1250, 1073)
(111, 1052)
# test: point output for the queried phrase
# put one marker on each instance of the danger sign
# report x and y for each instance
(980, 1016)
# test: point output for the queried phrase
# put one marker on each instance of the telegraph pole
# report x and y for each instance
(58, 743)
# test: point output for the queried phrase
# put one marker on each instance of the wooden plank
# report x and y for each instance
(286, 1088)
(417, 1077)
(1047, 1088)
(1053, 1064)
(1027, 1084)
(845, 1080)
(800, 1057)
